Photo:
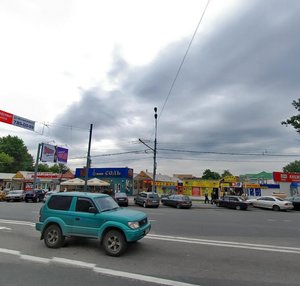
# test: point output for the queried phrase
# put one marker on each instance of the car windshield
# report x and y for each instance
(279, 199)
(106, 203)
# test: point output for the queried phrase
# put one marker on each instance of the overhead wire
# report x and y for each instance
(183, 60)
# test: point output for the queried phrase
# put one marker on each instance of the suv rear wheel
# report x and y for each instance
(53, 237)
(114, 243)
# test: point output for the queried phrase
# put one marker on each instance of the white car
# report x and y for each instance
(272, 202)
(15, 195)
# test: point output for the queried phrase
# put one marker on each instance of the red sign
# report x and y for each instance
(6, 117)
(286, 177)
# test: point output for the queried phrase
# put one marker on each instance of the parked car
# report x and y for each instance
(91, 215)
(15, 195)
(121, 199)
(2, 195)
(295, 201)
(232, 202)
(178, 201)
(48, 194)
(271, 202)
(147, 199)
(34, 196)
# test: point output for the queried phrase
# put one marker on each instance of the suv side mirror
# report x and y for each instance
(93, 210)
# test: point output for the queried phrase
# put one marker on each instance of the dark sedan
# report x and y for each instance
(34, 196)
(232, 202)
(295, 201)
(178, 201)
(121, 199)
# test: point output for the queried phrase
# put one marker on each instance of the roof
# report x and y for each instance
(6, 176)
(81, 194)
(261, 175)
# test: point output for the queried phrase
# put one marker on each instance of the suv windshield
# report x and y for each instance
(106, 204)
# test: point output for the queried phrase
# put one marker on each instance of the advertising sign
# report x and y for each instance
(286, 177)
(48, 153)
(61, 155)
(16, 120)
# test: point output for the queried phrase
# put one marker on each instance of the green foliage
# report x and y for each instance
(209, 175)
(56, 168)
(294, 120)
(16, 149)
(293, 167)
(226, 173)
(5, 162)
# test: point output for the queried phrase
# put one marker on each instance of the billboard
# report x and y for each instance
(286, 177)
(16, 120)
(54, 154)
(48, 153)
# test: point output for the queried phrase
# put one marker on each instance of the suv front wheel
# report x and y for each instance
(53, 237)
(114, 243)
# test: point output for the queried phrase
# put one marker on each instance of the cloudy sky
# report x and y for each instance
(67, 64)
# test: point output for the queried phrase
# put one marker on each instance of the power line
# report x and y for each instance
(183, 59)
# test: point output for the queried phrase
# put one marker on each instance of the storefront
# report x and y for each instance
(23, 180)
(163, 184)
(198, 187)
(120, 179)
(289, 182)
(230, 185)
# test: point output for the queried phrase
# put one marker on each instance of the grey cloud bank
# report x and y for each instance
(235, 87)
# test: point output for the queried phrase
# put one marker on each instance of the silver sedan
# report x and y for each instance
(271, 202)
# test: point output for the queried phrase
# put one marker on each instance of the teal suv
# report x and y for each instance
(90, 215)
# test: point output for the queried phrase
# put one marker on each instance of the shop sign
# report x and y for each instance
(252, 186)
(286, 177)
(229, 179)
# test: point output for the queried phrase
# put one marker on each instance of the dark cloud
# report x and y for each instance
(234, 89)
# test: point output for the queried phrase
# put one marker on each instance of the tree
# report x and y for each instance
(294, 120)
(5, 161)
(226, 173)
(293, 167)
(209, 175)
(15, 148)
(59, 168)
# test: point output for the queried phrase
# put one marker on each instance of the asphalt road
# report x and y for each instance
(212, 246)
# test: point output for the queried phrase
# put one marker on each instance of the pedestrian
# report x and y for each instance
(206, 200)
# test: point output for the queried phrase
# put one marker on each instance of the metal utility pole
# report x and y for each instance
(88, 160)
(154, 155)
(36, 165)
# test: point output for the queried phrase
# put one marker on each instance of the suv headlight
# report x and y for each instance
(134, 224)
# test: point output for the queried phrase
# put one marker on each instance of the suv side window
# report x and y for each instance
(83, 205)
(143, 195)
(60, 202)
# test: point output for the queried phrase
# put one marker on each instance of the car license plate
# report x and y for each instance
(147, 230)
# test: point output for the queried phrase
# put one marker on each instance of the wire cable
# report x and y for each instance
(183, 60)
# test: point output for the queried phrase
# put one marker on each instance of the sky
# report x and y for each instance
(222, 74)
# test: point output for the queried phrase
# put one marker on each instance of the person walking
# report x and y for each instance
(206, 200)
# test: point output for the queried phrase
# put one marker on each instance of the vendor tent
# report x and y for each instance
(73, 182)
(97, 182)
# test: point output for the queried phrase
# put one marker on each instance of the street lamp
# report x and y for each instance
(154, 153)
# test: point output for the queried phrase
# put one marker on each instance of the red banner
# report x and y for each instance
(6, 117)
(286, 177)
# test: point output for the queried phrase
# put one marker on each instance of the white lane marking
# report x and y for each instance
(141, 277)
(18, 222)
(266, 247)
(92, 266)
(10, 251)
(73, 262)
(4, 228)
(35, 258)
